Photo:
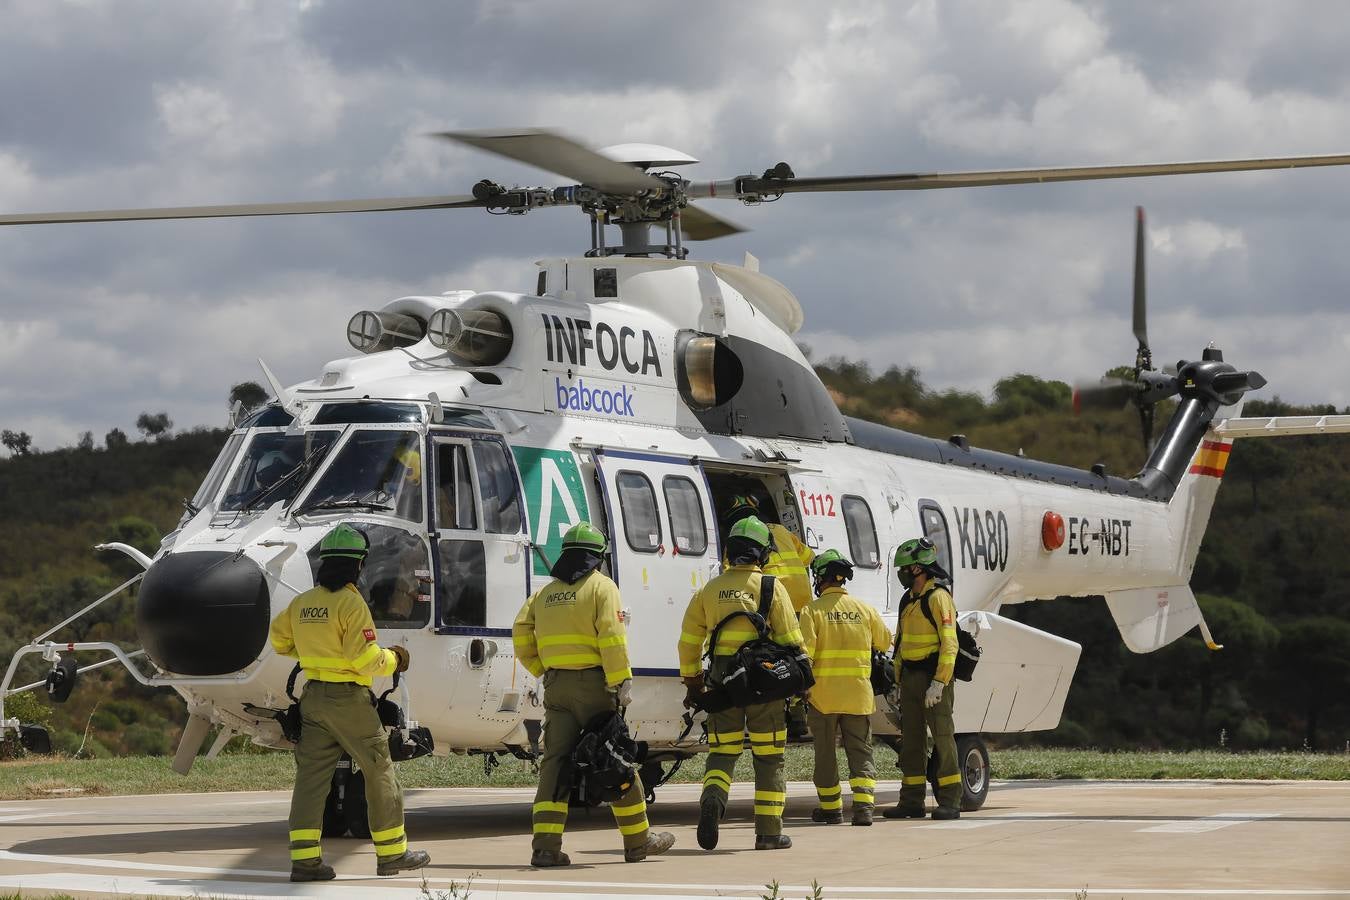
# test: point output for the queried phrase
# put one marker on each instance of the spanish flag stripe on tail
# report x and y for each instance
(1211, 459)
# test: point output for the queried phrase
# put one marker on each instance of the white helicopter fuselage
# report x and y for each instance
(588, 416)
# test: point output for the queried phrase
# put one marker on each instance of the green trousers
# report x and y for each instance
(768, 738)
(914, 718)
(571, 699)
(856, 732)
(337, 718)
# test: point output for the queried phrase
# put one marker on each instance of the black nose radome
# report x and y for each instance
(204, 613)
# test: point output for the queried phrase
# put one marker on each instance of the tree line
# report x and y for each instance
(1273, 573)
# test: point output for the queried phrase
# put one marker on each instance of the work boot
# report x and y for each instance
(658, 842)
(827, 816)
(709, 814)
(772, 842)
(544, 859)
(946, 812)
(408, 859)
(903, 812)
(315, 871)
(862, 815)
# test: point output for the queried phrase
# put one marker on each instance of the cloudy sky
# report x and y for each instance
(178, 103)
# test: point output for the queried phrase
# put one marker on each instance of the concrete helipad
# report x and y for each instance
(1033, 839)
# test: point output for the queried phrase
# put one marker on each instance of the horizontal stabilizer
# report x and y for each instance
(1281, 426)
(1152, 618)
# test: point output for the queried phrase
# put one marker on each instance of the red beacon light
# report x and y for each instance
(1052, 530)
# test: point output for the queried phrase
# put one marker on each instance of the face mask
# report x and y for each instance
(906, 578)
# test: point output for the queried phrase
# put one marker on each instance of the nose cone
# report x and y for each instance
(204, 613)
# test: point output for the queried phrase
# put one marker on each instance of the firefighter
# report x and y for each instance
(570, 635)
(925, 658)
(839, 633)
(788, 556)
(735, 590)
(789, 560)
(329, 629)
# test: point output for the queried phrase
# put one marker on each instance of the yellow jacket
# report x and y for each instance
(919, 640)
(573, 626)
(333, 636)
(788, 563)
(839, 633)
(736, 589)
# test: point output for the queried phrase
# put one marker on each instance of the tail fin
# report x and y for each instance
(1191, 505)
(1152, 618)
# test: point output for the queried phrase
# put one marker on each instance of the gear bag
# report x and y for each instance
(883, 673)
(404, 743)
(967, 651)
(289, 719)
(762, 670)
(605, 760)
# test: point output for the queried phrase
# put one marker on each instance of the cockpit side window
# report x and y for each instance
(497, 481)
(207, 492)
(396, 580)
(375, 471)
(456, 508)
(274, 467)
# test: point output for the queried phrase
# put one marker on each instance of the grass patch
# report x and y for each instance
(32, 778)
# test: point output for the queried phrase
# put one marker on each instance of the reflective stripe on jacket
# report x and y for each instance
(573, 626)
(788, 563)
(735, 589)
(839, 633)
(919, 639)
(332, 634)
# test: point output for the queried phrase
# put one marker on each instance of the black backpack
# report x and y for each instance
(762, 670)
(883, 673)
(605, 760)
(967, 651)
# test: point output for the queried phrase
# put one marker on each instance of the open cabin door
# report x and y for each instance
(663, 545)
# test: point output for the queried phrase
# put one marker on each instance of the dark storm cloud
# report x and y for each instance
(166, 104)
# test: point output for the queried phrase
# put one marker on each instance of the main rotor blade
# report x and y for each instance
(1140, 311)
(929, 181)
(563, 156)
(700, 225)
(389, 204)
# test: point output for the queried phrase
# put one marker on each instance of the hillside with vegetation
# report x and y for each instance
(1273, 574)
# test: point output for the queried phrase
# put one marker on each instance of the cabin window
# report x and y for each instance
(637, 504)
(396, 580)
(862, 533)
(497, 482)
(456, 509)
(935, 529)
(688, 529)
(375, 471)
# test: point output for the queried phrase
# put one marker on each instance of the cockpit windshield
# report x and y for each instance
(375, 471)
(274, 467)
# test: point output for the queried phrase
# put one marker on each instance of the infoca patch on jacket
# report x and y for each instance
(314, 615)
(555, 598)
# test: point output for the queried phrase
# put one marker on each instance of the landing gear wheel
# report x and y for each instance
(354, 806)
(973, 759)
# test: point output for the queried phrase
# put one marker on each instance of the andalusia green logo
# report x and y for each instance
(554, 495)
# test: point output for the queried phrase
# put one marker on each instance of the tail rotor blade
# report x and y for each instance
(1107, 394)
(1140, 304)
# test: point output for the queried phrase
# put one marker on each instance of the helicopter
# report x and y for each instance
(640, 390)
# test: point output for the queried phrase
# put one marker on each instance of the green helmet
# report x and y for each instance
(916, 552)
(344, 541)
(823, 562)
(584, 536)
(742, 505)
(753, 530)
